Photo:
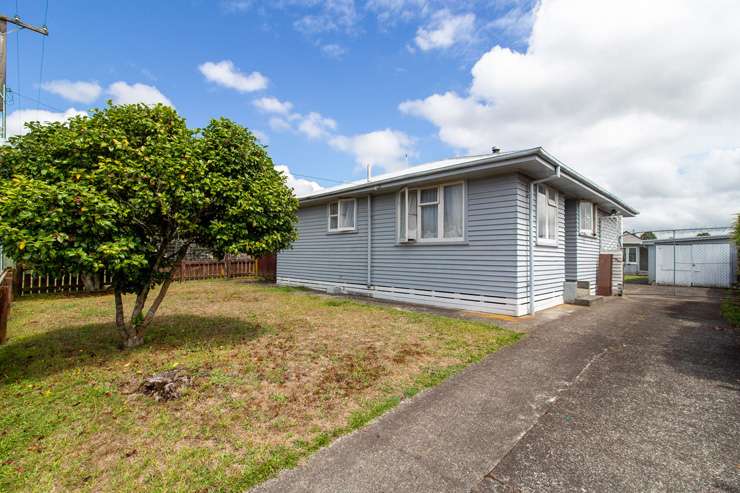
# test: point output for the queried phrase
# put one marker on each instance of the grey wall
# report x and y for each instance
(549, 261)
(322, 256)
(581, 251)
(571, 240)
(485, 264)
(492, 261)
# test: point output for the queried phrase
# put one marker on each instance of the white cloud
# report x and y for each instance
(299, 185)
(123, 93)
(654, 121)
(225, 74)
(77, 91)
(392, 11)
(314, 125)
(273, 105)
(385, 148)
(445, 30)
(280, 124)
(261, 136)
(18, 118)
(333, 50)
(332, 16)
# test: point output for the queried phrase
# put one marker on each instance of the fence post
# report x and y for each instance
(17, 281)
(6, 289)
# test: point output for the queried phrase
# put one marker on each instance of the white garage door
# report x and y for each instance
(702, 264)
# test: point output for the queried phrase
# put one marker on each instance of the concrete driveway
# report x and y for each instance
(640, 393)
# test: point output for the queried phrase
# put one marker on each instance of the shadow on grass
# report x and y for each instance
(53, 351)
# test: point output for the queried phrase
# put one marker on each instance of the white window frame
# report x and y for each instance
(329, 215)
(403, 196)
(594, 218)
(549, 202)
(627, 255)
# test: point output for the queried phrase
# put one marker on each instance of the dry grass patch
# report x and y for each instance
(277, 373)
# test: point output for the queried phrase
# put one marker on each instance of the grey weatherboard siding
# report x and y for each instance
(318, 255)
(492, 260)
(582, 251)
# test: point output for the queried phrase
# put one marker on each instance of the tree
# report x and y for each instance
(648, 235)
(736, 231)
(128, 189)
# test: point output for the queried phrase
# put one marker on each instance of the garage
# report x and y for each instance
(708, 261)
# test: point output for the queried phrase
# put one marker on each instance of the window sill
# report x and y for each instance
(432, 243)
(588, 235)
(342, 232)
(547, 243)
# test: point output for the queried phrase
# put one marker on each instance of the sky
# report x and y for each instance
(641, 97)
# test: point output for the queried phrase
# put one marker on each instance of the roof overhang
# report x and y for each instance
(535, 163)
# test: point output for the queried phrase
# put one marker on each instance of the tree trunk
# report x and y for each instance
(129, 335)
(93, 281)
(132, 332)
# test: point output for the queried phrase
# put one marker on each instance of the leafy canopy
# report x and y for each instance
(124, 189)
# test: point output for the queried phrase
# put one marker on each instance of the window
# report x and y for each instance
(342, 215)
(547, 215)
(631, 255)
(431, 213)
(588, 218)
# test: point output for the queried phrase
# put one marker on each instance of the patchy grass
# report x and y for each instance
(278, 373)
(731, 308)
(635, 278)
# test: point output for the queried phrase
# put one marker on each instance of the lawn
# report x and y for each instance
(635, 278)
(731, 308)
(277, 374)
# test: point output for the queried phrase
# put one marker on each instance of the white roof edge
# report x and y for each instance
(461, 167)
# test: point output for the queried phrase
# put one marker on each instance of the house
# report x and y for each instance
(709, 261)
(499, 233)
(635, 254)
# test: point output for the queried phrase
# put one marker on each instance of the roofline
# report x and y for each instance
(687, 239)
(490, 161)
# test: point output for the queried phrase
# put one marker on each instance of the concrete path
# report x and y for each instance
(638, 393)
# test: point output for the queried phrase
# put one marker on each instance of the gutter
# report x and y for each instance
(533, 232)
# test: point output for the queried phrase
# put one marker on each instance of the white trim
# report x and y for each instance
(548, 202)
(329, 215)
(591, 232)
(627, 255)
(441, 299)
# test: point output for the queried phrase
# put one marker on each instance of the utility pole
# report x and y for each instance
(3, 62)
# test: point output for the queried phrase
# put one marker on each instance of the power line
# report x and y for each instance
(43, 53)
(316, 177)
(37, 101)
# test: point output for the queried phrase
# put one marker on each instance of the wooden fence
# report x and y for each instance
(6, 296)
(28, 282)
(210, 269)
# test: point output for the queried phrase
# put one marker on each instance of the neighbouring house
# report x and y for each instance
(709, 261)
(635, 254)
(500, 233)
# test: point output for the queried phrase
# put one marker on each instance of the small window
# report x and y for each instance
(632, 255)
(587, 218)
(547, 215)
(432, 213)
(342, 215)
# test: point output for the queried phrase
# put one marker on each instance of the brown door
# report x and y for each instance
(604, 275)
